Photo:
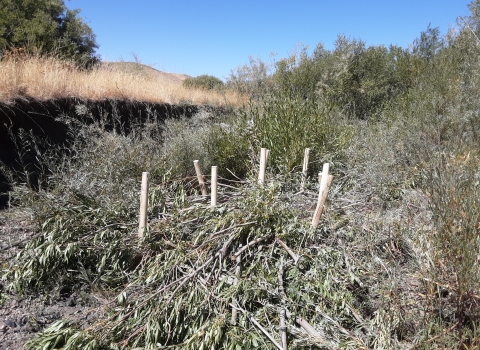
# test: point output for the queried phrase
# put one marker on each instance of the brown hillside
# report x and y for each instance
(45, 78)
(143, 70)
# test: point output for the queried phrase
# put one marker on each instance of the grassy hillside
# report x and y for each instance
(49, 78)
(136, 68)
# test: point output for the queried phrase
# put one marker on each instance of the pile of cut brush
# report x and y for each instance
(250, 273)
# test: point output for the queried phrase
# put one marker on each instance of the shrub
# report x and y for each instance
(205, 82)
(252, 79)
(287, 125)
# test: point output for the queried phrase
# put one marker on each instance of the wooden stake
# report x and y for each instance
(201, 179)
(214, 186)
(322, 195)
(306, 156)
(329, 181)
(263, 165)
(142, 222)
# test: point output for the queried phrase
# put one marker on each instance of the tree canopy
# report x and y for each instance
(46, 26)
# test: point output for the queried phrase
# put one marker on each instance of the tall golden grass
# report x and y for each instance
(46, 78)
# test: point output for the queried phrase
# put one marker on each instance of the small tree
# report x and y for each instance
(46, 27)
(428, 44)
(253, 79)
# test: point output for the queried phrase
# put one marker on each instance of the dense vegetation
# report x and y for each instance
(46, 27)
(394, 263)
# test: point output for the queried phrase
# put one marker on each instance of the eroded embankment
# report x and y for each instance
(46, 120)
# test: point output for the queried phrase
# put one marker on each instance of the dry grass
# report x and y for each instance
(48, 78)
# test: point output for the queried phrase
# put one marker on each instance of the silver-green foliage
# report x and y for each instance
(287, 124)
(183, 292)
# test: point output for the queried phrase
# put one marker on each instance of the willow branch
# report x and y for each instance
(215, 234)
(306, 326)
(219, 255)
(259, 326)
(248, 245)
(294, 256)
(233, 320)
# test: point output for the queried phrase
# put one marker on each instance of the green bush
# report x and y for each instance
(205, 82)
(209, 138)
(455, 199)
(287, 125)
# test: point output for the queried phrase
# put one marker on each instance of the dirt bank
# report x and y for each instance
(46, 120)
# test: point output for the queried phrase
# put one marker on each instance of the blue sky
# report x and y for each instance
(215, 36)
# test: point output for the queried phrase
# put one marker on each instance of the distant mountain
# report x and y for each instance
(136, 68)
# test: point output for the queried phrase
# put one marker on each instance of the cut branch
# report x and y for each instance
(219, 254)
(238, 268)
(294, 256)
(215, 234)
(259, 326)
(248, 245)
(306, 326)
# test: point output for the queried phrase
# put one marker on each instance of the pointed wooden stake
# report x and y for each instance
(142, 222)
(305, 168)
(322, 195)
(263, 165)
(201, 179)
